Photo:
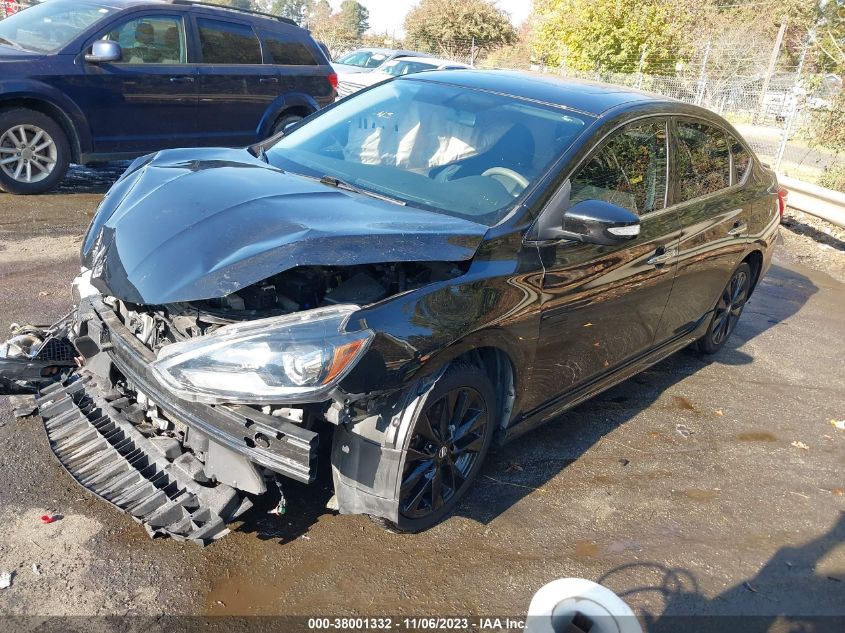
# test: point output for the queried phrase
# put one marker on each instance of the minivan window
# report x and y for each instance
(703, 160)
(288, 52)
(151, 40)
(362, 59)
(47, 27)
(741, 159)
(228, 43)
(628, 171)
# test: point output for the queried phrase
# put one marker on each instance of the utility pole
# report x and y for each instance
(702, 78)
(640, 67)
(773, 60)
(472, 53)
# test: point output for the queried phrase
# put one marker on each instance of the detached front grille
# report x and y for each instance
(98, 446)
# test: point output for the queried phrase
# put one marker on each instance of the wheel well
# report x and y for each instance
(297, 110)
(54, 113)
(755, 260)
(499, 368)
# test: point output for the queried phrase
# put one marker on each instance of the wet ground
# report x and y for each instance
(703, 486)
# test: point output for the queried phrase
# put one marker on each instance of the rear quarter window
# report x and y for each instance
(228, 43)
(703, 162)
(287, 51)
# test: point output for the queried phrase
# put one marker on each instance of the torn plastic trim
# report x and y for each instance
(368, 455)
(108, 456)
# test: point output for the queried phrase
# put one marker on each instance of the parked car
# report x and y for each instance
(363, 60)
(437, 263)
(86, 81)
(350, 83)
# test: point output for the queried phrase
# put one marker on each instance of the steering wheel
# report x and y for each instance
(514, 182)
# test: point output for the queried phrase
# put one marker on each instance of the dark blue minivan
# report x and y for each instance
(88, 81)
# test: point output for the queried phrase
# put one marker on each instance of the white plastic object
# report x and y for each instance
(566, 596)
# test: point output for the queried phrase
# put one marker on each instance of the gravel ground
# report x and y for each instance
(702, 486)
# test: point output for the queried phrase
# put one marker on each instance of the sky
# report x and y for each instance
(389, 15)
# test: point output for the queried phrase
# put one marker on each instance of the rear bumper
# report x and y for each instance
(289, 449)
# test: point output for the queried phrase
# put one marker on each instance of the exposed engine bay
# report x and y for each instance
(295, 290)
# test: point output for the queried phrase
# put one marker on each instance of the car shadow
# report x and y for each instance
(525, 465)
(90, 178)
(786, 594)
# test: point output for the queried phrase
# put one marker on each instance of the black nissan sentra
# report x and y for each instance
(438, 263)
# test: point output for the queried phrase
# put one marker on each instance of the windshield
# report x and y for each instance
(362, 59)
(446, 148)
(401, 67)
(47, 27)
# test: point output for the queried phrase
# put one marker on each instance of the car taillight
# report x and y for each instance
(333, 80)
(783, 194)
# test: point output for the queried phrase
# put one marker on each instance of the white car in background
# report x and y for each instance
(350, 83)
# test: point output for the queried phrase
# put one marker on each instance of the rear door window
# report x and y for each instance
(152, 39)
(228, 43)
(629, 170)
(703, 161)
(287, 52)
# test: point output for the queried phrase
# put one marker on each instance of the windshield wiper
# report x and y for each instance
(15, 45)
(331, 181)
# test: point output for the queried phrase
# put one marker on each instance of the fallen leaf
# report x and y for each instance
(588, 325)
(839, 492)
(719, 412)
(838, 424)
(513, 467)
(802, 445)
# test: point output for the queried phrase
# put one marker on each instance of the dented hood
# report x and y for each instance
(185, 225)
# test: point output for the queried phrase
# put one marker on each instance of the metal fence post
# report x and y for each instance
(702, 78)
(769, 72)
(793, 114)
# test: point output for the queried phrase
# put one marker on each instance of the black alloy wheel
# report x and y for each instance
(449, 441)
(728, 310)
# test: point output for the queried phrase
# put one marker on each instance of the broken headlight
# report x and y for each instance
(294, 358)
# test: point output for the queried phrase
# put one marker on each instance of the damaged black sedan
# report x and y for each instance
(436, 264)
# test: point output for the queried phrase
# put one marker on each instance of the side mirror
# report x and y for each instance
(104, 51)
(600, 222)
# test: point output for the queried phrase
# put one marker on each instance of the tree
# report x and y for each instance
(354, 18)
(296, 10)
(608, 34)
(459, 29)
(237, 4)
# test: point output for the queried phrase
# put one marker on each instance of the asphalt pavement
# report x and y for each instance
(702, 486)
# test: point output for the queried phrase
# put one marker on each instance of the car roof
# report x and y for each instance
(585, 96)
(437, 61)
(390, 51)
(202, 5)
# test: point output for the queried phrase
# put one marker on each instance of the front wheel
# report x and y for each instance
(34, 152)
(450, 438)
(728, 310)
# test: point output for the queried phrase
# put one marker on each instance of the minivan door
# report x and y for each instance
(602, 304)
(713, 210)
(146, 101)
(236, 88)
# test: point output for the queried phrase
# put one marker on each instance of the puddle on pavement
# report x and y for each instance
(756, 436)
(698, 494)
(586, 549)
(682, 403)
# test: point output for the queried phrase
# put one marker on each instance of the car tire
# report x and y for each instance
(285, 120)
(728, 309)
(34, 152)
(447, 445)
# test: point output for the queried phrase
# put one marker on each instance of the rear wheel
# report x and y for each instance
(284, 121)
(728, 310)
(34, 152)
(449, 441)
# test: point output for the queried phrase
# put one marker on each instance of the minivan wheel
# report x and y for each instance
(450, 438)
(34, 152)
(728, 310)
(284, 121)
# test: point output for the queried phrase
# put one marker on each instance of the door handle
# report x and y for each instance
(268, 80)
(181, 80)
(662, 256)
(738, 228)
